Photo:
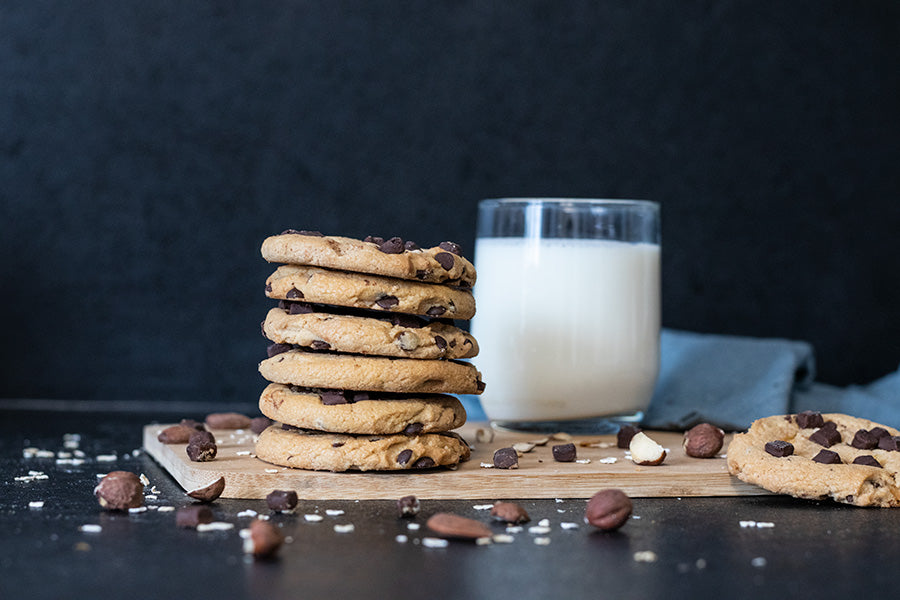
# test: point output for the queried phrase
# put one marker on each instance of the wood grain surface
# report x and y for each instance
(538, 475)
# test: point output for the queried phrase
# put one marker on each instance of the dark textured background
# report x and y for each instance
(146, 149)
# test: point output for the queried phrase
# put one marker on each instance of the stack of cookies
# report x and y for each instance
(365, 352)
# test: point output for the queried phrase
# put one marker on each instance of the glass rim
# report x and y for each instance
(621, 202)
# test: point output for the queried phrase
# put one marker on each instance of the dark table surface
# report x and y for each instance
(812, 549)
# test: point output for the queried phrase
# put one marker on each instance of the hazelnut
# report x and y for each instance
(191, 516)
(264, 540)
(450, 525)
(703, 440)
(510, 512)
(227, 420)
(282, 501)
(120, 490)
(176, 434)
(644, 451)
(210, 492)
(607, 510)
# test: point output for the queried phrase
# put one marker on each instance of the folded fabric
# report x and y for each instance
(730, 381)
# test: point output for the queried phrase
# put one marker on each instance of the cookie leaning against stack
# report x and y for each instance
(365, 353)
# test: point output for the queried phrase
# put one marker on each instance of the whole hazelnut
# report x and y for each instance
(264, 539)
(120, 490)
(607, 510)
(509, 512)
(703, 441)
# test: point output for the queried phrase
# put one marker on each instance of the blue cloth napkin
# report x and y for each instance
(730, 381)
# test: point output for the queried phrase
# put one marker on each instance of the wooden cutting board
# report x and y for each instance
(538, 475)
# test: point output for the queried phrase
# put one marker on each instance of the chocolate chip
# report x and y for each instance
(426, 462)
(479, 385)
(289, 231)
(332, 397)
(276, 349)
(200, 436)
(269, 288)
(864, 440)
(451, 247)
(780, 448)
(193, 515)
(889, 443)
(293, 294)
(408, 506)
(866, 459)
(506, 458)
(827, 457)
(374, 240)
(440, 342)
(404, 320)
(282, 500)
(564, 452)
(387, 301)
(445, 259)
(404, 457)
(392, 246)
(201, 451)
(337, 444)
(809, 419)
(260, 424)
(624, 435)
(410, 245)
(879, 432)
(827, 435)
(360, 396)
(298, 308)
(436, 311)
(413, 428)
(320, 345)
(311, 233)
(421, 274)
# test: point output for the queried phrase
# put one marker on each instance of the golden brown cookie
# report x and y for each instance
(342, 288)
(320, 451)
(343, 412)
(403, 338)
(808, 455)
(371, 373)
(390, 258)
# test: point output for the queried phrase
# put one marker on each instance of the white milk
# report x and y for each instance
(568, 329)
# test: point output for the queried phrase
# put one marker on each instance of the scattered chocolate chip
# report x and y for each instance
(408, 506)
(451, 247)
(193, 515)
(374, 240)
(282, 500)
(332, 397)
(410, 245)
(506, 458)
(440, 342)
(260, 424)
(436, 311)
(210, 492)
(809, 419)
(276, 349)
(120, 490)
(703, 440)
(827, 435)
(413, 429)
(455, 526)
(201, 435)
(227, 420)
(445, 259)
(509, 512)
(264, 541)
(891, 443)
(864, 440)
(564, 452)
(624, 435)
(392, 246)
(298, 308)
(201, 448)
(293, 294)
(780, 448)
(387, 301)
(426, 462)
(320, 345)
(866, 459)
(608, 510)
(176, 434)
(827, 457)
(404, 457)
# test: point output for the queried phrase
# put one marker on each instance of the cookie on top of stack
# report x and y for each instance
(365, 353)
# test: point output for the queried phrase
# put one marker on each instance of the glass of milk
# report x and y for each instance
(568, 319)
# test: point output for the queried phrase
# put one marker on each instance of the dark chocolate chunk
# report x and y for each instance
(275, 349)
(320, 345)
(445, 259)
(436, 311)
(879, 432)
(337, 444)
(193, 515)
(451, 247)
(440, 342)
(414, 428)
(201, 447)
(891, 443)
(421, 274)
(404, 320)
(269, 288)
(404, 457)
(289, 231)
(392, 246)
(332, 397)
(564, 452)
(827, 435)
(866, 459)
(623, 437)
(479, 385)
(426, 462)
(360, 396)
(296, 308)
(410, 245)
(387, 301)
(259, 424)
(827, 457)
(293, 294)
(374, 240)
(809, 419)
(780, 448)
(282, 500)
(506, 458)
(408, 506)
(864, 440)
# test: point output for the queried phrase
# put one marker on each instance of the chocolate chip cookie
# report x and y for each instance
(391, 258)
(341, 288)
(343, 411)
(816, 456)
(378, 334)
(320, 451)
